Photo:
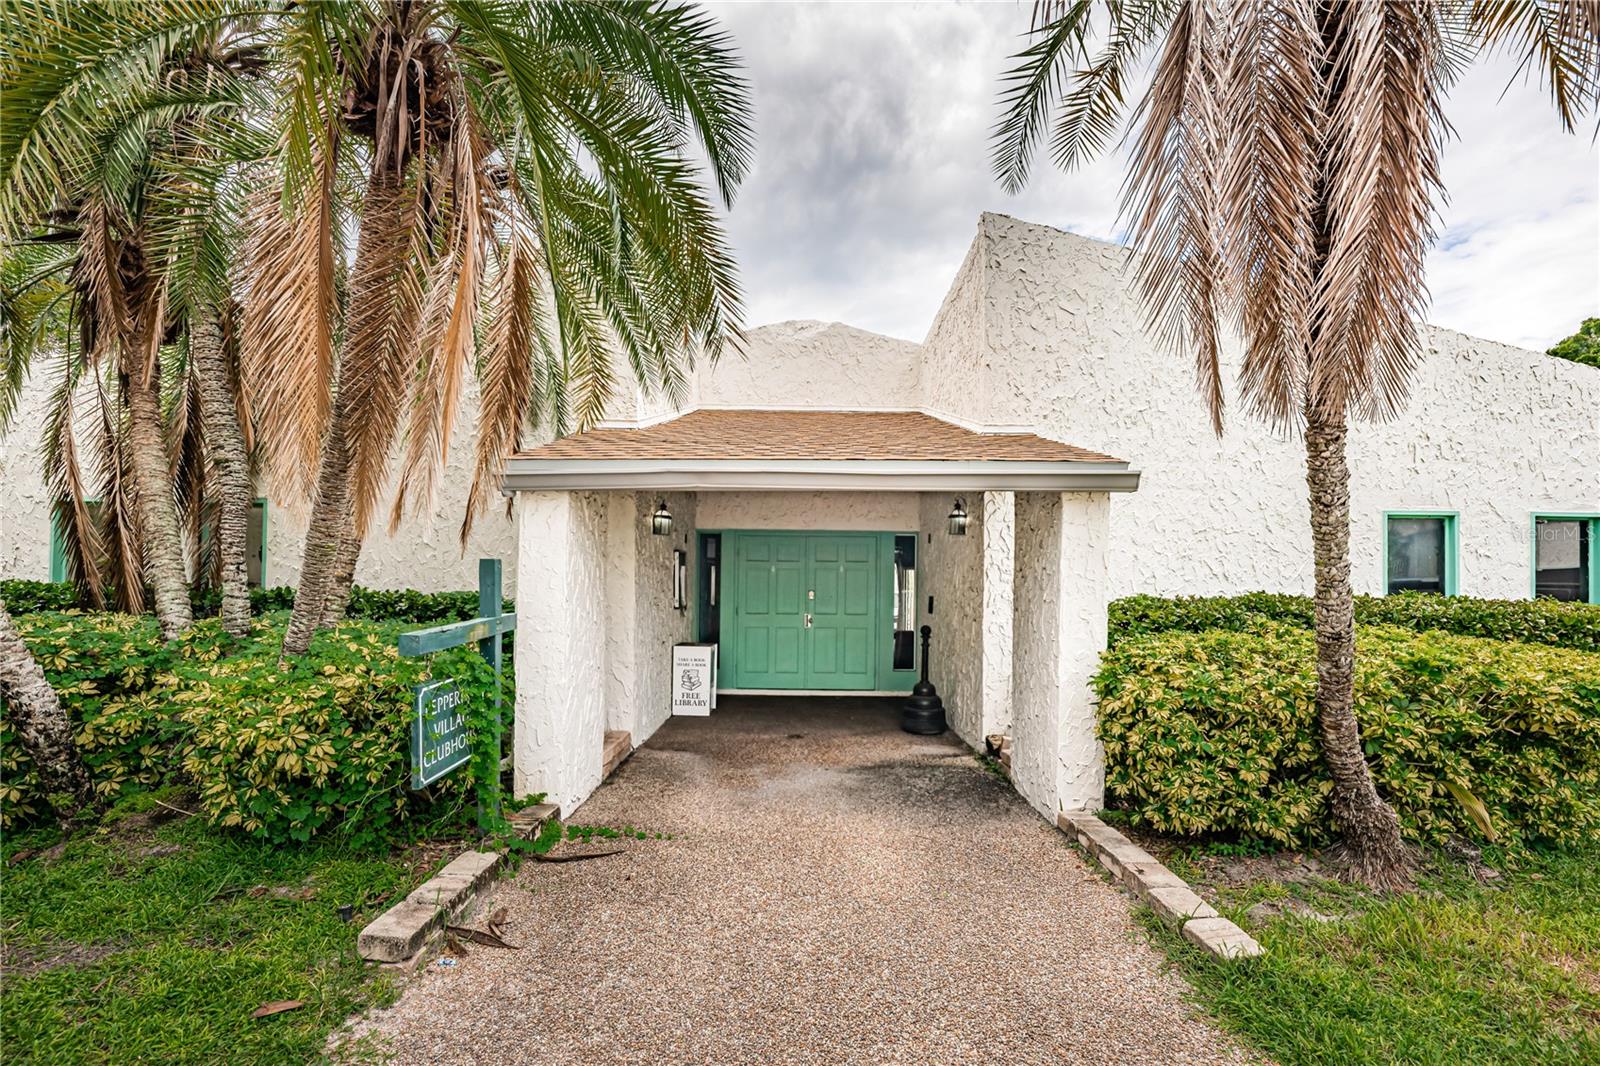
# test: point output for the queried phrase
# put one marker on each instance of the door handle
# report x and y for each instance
(808, 621)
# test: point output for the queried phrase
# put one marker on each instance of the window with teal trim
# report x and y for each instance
(1564, 563)
(1420, 553)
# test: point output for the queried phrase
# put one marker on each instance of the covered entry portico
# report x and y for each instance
(809, 545)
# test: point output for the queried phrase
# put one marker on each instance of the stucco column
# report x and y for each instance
(560, 726)
(1059, 612)
(999, 571)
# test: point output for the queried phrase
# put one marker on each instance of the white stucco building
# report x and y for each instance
(829, 460)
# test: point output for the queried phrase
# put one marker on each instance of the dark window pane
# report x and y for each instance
(710, 588)
(255, 550)
(1416, 554)
(1562, 555)
(905, 602)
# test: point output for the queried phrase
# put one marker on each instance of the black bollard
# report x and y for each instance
(923, 713)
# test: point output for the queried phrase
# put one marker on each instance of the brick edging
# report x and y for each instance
(404, 934)
(1167, 894)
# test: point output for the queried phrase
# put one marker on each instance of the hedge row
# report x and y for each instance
(280, 751)
(1544, 621)
(404, 605)
(1215, 732)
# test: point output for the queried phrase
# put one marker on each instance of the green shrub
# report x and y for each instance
(27, 597)
(1215, 732)
(113, 675)
(284, 751)
(1545, 621)
(387, 605)
(281, 752)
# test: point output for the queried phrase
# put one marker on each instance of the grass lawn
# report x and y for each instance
(1461, 972)
(153, 938)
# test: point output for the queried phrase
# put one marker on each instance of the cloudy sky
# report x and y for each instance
(872, 167)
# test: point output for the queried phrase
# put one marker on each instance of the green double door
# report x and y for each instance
(806, 609)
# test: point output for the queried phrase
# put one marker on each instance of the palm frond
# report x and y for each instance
(72, 520)
(1172, 197)
(1273, 97)
(286, 349)
(1557, 39)
(1385, 133)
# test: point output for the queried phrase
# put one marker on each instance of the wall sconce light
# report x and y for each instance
(958, 518)
(661, 520)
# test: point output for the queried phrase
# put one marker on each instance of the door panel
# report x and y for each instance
(841, 570)
(770, 619)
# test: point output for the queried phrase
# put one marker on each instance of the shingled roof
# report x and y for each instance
(887, 436)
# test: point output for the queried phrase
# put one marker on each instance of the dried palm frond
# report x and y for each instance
(72, 518)
(516, 350)
(1560, 40)
(1273, 95)
(1385, 133)
(118, 513)
(1172, 196)
(286, 355)
(446, 344)
(385, 309)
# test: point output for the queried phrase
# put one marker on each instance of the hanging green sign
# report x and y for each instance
(440, 738)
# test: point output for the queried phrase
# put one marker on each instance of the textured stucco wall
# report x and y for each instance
(657, 625)
(882, 512)
(561, 645)
(1491, 431)
(24, 502)
(1062, 543)
(954, 374)
(950, 570)
(999, 581)
(814, 364)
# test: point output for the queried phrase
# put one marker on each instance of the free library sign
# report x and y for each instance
(440, 738)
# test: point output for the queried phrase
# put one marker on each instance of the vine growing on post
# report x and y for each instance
(476, 678)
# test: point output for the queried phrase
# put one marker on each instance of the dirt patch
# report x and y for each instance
(18, 960)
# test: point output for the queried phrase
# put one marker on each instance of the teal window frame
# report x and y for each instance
(58, 555)
(1593, 518)
(1452, 547)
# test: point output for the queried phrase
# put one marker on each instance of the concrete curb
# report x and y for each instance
(406, 933)
(1167, 894)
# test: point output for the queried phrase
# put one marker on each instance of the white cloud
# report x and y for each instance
(872, 166)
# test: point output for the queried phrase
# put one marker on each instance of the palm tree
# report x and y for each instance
(1284, 164)
(526, 164)
(42, 726)
(118, 228)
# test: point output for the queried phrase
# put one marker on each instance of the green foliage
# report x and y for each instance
(1545, 621)
(1583, 346)
(147, 943)
(28, 597)
(281, 750)
(384, 605)
(113, 675)
(1458, 973)
(1215, 732)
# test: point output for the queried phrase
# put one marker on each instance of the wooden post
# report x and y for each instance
(490, 604)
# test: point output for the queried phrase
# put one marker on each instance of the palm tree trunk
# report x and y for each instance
(161, 538)
(344, 578)
(1369, 828)
(330, 516)
(225, 442)
(42, 725)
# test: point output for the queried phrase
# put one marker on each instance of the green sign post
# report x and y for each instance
(440, 739)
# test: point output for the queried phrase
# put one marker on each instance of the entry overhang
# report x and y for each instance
(837, 475)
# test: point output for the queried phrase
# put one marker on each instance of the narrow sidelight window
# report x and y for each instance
(1564, 550)
(1420, 553)
(905, 602)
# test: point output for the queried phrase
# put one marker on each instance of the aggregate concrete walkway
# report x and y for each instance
(835, 891)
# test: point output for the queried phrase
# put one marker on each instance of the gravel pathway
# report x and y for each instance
(835, 891)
